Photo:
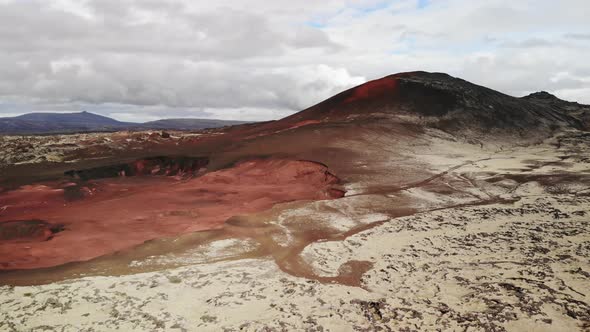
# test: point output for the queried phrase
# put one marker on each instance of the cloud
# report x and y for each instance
(262, 59)
(582, 36)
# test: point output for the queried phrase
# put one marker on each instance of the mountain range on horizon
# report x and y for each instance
(53, 123)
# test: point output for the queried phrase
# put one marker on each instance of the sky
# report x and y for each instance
(142, 60)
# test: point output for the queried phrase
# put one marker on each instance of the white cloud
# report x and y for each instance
(262, 59)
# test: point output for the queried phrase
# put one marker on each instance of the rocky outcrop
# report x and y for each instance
(574, 109)
(164, 165)
(28, 230)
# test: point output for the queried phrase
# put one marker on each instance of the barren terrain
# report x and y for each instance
(393, 220)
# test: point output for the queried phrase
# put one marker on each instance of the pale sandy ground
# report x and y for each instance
(24, 149)
(518, 259)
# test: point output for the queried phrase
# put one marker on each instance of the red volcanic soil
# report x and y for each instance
(372, 89)
(42, 226)
(304, 123)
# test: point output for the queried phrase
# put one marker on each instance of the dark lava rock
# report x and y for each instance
(28, 230)
(163, 165)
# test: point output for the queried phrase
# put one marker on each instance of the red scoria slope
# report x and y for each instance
(118, 213)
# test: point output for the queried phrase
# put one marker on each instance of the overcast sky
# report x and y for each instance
(141, 60)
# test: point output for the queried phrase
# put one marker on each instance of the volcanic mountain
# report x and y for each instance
(440, 101)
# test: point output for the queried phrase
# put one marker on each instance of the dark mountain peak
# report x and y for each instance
(418, 92)
(438, 100)
(548, 98)
(424, 76)
(541, 95)
(574, 109)
(392, 84)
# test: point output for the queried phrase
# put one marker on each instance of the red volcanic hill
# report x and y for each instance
(433, 100)
(438, 100)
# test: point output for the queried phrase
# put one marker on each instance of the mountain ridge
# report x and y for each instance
(49, 122)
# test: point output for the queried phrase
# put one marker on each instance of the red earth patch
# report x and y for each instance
(372, 89)
(122, 212)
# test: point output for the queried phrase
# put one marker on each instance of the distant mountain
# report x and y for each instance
(70, 119)
(47, 123)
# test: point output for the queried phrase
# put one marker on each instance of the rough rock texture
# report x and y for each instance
(577, 110)
(28, 230)
(161, 165)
